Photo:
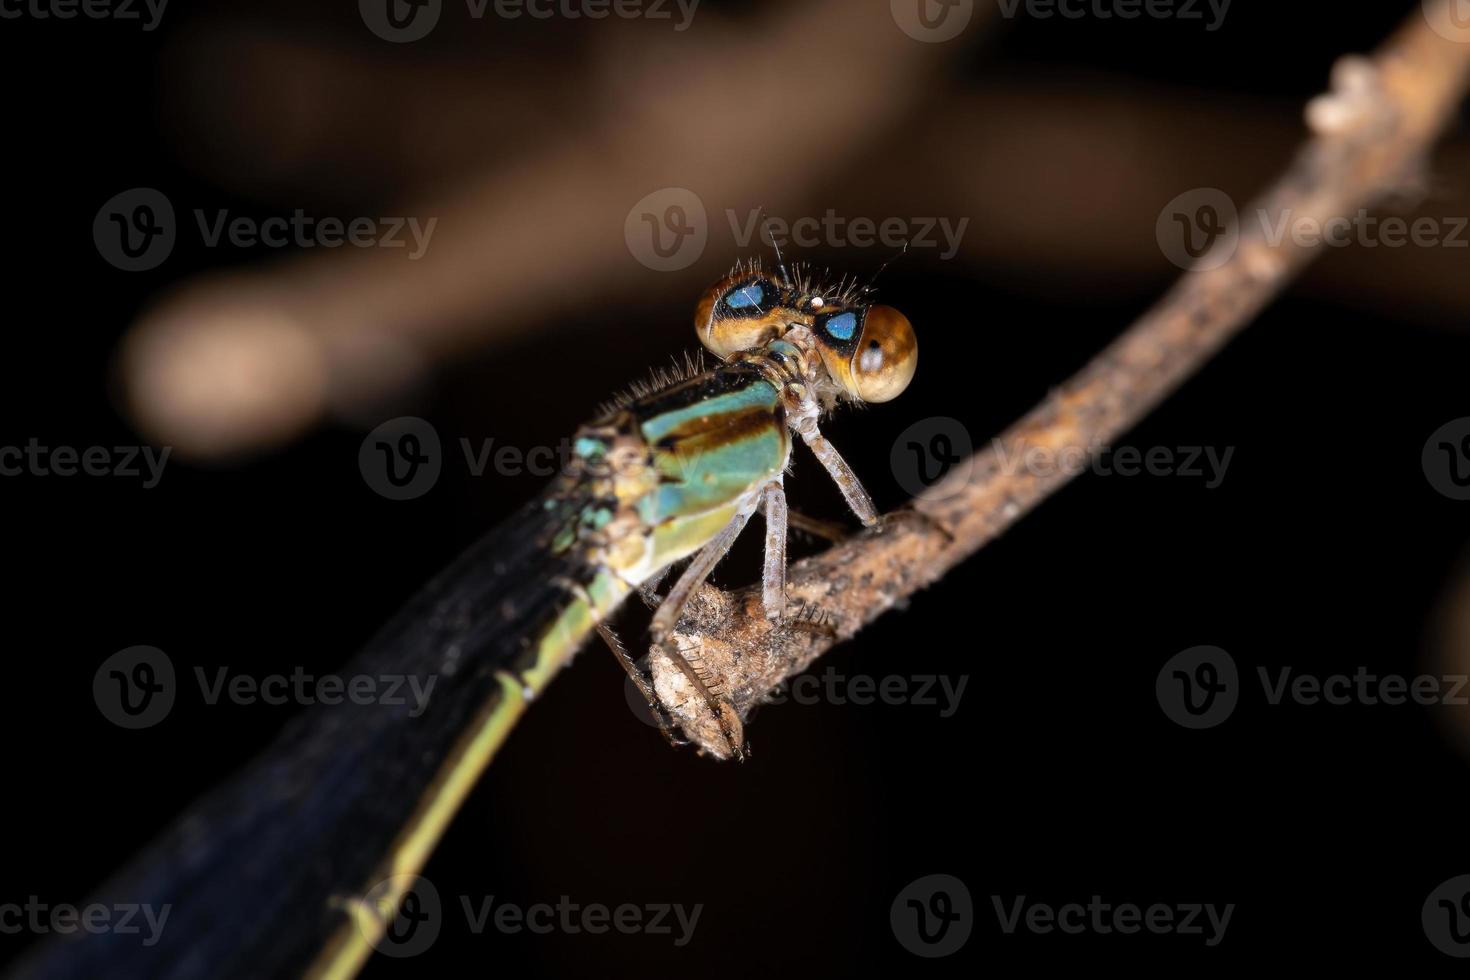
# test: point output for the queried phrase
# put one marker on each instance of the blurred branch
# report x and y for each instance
(1142, 145)
(236, 362)
(1370, 134)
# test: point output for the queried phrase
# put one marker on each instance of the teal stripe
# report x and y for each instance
(758, 394)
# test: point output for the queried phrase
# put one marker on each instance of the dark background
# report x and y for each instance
(1059, 778)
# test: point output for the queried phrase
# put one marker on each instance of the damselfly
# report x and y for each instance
(300, 861)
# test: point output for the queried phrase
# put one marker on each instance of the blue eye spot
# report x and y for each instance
(842, 326)
(746, 297)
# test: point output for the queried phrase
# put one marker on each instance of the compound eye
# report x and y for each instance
(739, 313)
(886, 356)
(752, 297)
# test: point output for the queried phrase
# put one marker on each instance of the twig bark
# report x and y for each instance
(1370, 134)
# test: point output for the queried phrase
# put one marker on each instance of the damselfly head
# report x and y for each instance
(745, 310)
(869, 351)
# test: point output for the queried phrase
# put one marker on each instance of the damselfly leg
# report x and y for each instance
(852, 490)
(773, 581)
(667, 617)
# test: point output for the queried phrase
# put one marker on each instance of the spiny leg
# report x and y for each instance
(842, 474)
(667, 618)
(773, 582)
(660, 716)
(648, 591)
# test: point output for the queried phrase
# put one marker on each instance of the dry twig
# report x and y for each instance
(1370, 134)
